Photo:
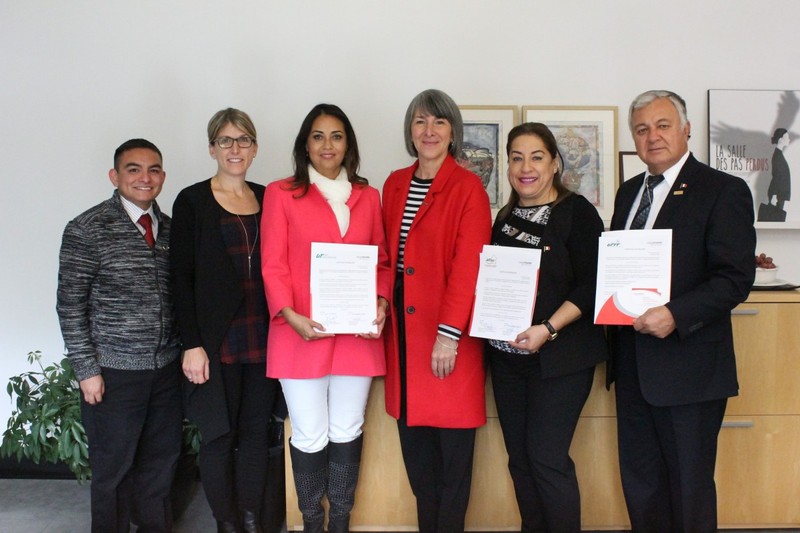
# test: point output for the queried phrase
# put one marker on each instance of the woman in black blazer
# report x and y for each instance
(222, 317)
(542, 378)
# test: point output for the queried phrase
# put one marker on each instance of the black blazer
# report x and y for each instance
(713, 245)
(207, 293)
(568, 271)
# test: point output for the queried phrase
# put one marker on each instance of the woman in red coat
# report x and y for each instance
(437, 220)
(325, 378)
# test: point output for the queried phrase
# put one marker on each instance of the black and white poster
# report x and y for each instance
(754, 135)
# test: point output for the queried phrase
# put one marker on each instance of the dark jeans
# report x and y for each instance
(538, 417)
(134, 443)
(233, 467)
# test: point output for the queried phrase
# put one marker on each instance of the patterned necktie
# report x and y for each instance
(640, 218)
(147, 223)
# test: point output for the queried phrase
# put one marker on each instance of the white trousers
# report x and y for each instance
(330, 408)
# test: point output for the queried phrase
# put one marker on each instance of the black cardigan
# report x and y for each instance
(568, 271)
(207, 293)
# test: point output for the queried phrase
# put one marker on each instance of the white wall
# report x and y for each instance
(80, 77)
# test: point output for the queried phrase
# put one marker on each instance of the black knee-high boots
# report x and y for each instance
(310, 473)
(334, 470)
(344, 460)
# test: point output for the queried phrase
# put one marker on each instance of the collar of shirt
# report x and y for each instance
(660, 192)
(134, 212)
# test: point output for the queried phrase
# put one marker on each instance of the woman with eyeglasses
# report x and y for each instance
(325, 378)
(222, 317)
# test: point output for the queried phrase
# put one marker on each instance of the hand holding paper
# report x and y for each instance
(380, 320)
(531, 339)
(656, 321)
(304, 326)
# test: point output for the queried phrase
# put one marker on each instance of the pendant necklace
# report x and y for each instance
(250, 249)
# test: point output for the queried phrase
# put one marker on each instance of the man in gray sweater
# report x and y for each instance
(117, 319)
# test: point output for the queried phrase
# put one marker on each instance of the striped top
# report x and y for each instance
(416, 194)
(417, 191)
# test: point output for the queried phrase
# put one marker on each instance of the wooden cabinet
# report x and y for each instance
(594, 451)
(758, 463)
(758, 466)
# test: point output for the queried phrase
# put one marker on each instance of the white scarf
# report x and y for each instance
(336, 192)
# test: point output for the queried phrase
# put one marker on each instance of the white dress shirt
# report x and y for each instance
(660, 193)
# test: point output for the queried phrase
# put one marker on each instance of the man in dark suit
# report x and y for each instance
(675, 368)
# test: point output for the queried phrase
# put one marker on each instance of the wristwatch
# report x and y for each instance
(551, 329)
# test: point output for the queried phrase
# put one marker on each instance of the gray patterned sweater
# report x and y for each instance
(114, 297)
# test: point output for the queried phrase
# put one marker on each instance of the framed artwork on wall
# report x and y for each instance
(752, 134)
(484, 151)
(630, 166)
(587, 139)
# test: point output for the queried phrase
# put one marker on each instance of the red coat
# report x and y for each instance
(288, 227)
(441, 264)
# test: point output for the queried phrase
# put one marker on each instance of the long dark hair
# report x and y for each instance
(541, 131)
(351, 160)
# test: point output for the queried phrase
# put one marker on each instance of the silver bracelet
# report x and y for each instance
(454, 348)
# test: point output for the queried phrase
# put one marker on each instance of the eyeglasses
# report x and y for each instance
(226, 142)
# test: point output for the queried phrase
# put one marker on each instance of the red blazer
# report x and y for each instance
(288, 227)
(441, 268)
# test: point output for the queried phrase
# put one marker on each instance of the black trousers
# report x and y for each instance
(667, 455)
(134, 443)
(538, 417)
(438, 460)
(233, 467)
(439, 466)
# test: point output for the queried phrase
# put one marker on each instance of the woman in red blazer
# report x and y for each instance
(325, 378)
(437, 220)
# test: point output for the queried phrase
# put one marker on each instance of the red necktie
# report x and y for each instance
(147, 223)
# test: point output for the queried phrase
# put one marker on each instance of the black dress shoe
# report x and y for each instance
(227, 527)
(250, 522)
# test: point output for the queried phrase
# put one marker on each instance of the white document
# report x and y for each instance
(505, 293)
(343, 287)
(634, 271)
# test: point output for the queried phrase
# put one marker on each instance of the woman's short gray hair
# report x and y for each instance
(647, 97)
(437, 104)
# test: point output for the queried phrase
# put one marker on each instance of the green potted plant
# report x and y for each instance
(45, 423)
(45, 427)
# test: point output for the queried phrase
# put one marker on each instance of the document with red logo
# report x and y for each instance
(634, 270)
(505, 293)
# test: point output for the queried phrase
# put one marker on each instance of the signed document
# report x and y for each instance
(505, 292)
(634, 269)
(343, 287)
